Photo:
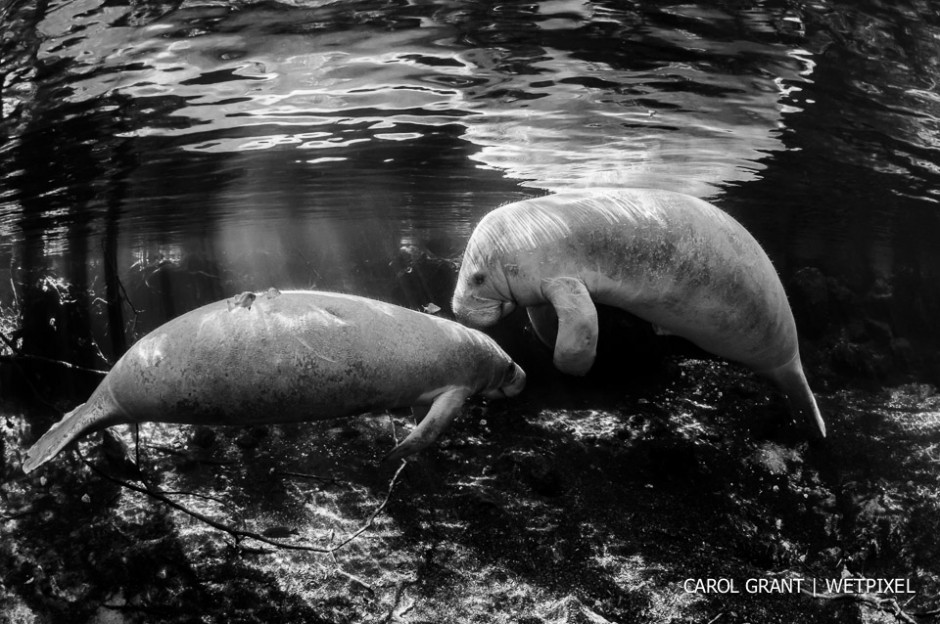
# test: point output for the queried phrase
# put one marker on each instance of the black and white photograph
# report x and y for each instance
(469, 311)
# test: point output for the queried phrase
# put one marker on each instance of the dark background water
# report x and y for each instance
(160, 155)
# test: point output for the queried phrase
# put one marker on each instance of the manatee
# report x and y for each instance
(293, 356)
(673, 260)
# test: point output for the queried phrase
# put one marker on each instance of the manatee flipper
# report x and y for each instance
(444, 409)
(792, 381)
(544, 323)
(576, 344)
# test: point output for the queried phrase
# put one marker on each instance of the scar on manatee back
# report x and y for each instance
(243, 300)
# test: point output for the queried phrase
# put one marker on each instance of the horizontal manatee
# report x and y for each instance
(292, 356)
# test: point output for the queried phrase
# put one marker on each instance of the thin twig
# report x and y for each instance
(355, 579)
(399, 592)
(241, 533)
(391, 422)
(303, 475)
(900, 613)
(872, 600)
(137, 443)
(127, 299)
(26, 356)
(352, 577)
(377, 511)
(234, 532)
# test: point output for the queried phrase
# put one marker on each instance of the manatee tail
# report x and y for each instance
(792, 381)
(72, 425)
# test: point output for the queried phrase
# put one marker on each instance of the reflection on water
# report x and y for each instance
(554, 95)
(159, 155)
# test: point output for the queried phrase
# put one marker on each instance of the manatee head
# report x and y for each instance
(510, 382)
(483, 294)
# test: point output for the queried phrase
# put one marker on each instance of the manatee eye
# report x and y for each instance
(510, 373)
(478, 279)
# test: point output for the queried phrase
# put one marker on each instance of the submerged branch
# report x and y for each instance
(18, 354)
(39, 358)
(375, 512)
(331, 480)
(874, 601)
(399, 594)
(237, 533)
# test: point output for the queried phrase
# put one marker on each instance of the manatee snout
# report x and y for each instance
(513, 383)
(478, 312)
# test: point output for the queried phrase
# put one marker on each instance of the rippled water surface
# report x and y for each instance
(165, 154)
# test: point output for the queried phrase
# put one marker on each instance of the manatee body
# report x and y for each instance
(676, 261)
(293, 356)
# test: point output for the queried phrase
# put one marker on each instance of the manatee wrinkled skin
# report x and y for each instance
(676, 261)
(293, 356)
